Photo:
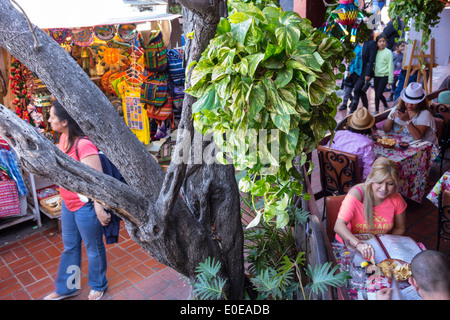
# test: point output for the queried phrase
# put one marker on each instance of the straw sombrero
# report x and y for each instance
(361, 119)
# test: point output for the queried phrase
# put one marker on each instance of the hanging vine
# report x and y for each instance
(267, 71)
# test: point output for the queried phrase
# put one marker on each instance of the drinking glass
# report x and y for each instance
(358, 275)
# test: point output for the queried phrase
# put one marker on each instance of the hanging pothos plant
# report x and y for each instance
(266, 83)
(425, 14)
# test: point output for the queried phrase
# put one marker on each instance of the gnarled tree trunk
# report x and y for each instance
(179, 232)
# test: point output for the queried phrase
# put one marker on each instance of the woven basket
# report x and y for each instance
(52, 205)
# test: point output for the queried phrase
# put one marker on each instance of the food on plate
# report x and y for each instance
(387, 142)
(404, 145)
(401, 269)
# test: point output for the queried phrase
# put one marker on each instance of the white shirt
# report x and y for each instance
(424, 118)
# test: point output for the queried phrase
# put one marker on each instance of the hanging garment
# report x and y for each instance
(134, 113)
(8, 160)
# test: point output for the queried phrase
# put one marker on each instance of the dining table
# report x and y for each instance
(373, 282)
(414, 162)
(442, 184)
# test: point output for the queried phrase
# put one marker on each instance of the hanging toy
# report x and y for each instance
(347, 14)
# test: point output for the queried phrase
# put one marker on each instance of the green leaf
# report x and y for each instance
(253, 61)
(322, 276)
(209, 101)
(281, 121)
(257, 100)
(223, 26)
(240, 30)
(272, 50)
(284, 76)
(309, 60)
(250, 9)
(288, 37)
(260, 187)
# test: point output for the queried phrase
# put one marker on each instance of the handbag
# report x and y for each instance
(175, 67)
(154, 90)
(163, 112)
(155, 53)
(9, 199)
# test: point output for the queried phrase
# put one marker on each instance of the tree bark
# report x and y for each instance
(179, 232)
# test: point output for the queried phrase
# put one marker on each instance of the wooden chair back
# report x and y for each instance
(339, 170)
(332, 206)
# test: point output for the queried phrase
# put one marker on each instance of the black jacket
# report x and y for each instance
(391, 33)
(368, 55)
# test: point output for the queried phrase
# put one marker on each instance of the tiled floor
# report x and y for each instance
(29, 260)
(28, 268)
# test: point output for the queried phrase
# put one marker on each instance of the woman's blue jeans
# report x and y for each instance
(81, 225)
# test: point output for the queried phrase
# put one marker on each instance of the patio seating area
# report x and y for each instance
(29, 255)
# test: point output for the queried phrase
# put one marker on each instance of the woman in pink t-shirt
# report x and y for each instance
(81, 218)
(373, 207)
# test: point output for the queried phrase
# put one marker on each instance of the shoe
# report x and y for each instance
(343, 107)
(55, 296)
(389, 99)
(95, 292)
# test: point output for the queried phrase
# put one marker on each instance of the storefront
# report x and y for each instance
(136, 61)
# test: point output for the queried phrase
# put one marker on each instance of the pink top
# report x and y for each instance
(85, 148)
(352, 212)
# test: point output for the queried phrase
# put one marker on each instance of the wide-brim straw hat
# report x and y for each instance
(413, 93)
(361, 119)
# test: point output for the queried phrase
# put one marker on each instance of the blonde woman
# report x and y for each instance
(374, 206)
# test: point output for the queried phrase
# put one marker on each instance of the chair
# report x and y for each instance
(332, 206)
(443, 217)
(443, 135)
(339, 171)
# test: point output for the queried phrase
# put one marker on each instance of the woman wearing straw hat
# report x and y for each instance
(354, 139)
(411, 116)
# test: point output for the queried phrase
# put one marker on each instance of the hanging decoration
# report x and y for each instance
(127, 32)
(105, 32)
(347, 15)
(60, 35)
(83, 37)
(112, 58)
(20, 78)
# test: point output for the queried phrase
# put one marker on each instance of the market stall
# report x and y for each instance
(134, 58)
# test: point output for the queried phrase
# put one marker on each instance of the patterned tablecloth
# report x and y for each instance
(444, 182)
(414, 164)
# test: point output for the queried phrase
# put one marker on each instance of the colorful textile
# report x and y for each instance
(155, 55)
(135, 115)
(8, 160)
(414, 164)
(9, 199)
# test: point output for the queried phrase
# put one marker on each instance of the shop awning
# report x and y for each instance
(48, 14)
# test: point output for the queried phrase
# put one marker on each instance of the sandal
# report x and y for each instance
(94, 292)
(55, 296)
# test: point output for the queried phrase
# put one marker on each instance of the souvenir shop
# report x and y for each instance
(138, 66)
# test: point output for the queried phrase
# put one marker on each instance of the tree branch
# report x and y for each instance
(36, 40)
(39, 156)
